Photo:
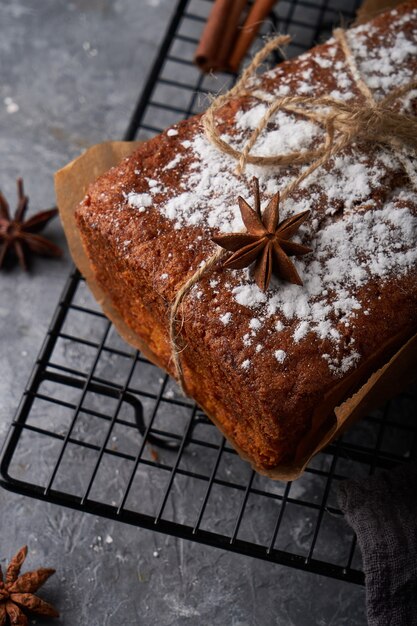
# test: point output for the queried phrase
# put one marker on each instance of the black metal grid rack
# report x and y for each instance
(117, 438)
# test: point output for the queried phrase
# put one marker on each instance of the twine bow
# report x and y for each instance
(369, 121)
(344, 122)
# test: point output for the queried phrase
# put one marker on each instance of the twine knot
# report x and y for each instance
(371, 123)
(367, 121)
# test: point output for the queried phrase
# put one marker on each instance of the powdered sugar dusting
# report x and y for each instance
(280, 356)
(346, 253)
(301, 331)
(225, 318)
(289, 133)
(139, 200)
(365, 230)
(384, 66)
(249, 295)
(255, 324)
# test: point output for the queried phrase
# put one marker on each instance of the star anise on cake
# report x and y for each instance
(267, 241)
(20, 236)
(17, 592)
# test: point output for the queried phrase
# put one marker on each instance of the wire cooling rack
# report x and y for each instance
(102, 430)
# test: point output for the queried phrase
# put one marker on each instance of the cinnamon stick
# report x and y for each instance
(219, 34)
(258, 13)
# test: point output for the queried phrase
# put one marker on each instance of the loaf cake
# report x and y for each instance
(268, 367)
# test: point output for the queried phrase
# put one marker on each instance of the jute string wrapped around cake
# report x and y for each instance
(369, 121)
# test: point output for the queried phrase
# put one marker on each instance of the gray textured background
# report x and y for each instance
(70, 75)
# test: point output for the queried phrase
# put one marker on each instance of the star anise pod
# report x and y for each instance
(266, 241)
(17, 592)
(19, 235)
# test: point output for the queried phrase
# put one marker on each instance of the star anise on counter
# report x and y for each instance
(19, 235)
(17, 592)
(267, 241)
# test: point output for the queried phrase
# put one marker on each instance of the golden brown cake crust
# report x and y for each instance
(260, 365)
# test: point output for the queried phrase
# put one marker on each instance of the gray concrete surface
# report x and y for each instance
(70, 75)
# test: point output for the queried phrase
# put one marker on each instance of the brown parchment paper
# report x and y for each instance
(71, 184)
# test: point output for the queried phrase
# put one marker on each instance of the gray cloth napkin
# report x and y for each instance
(382, 510)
